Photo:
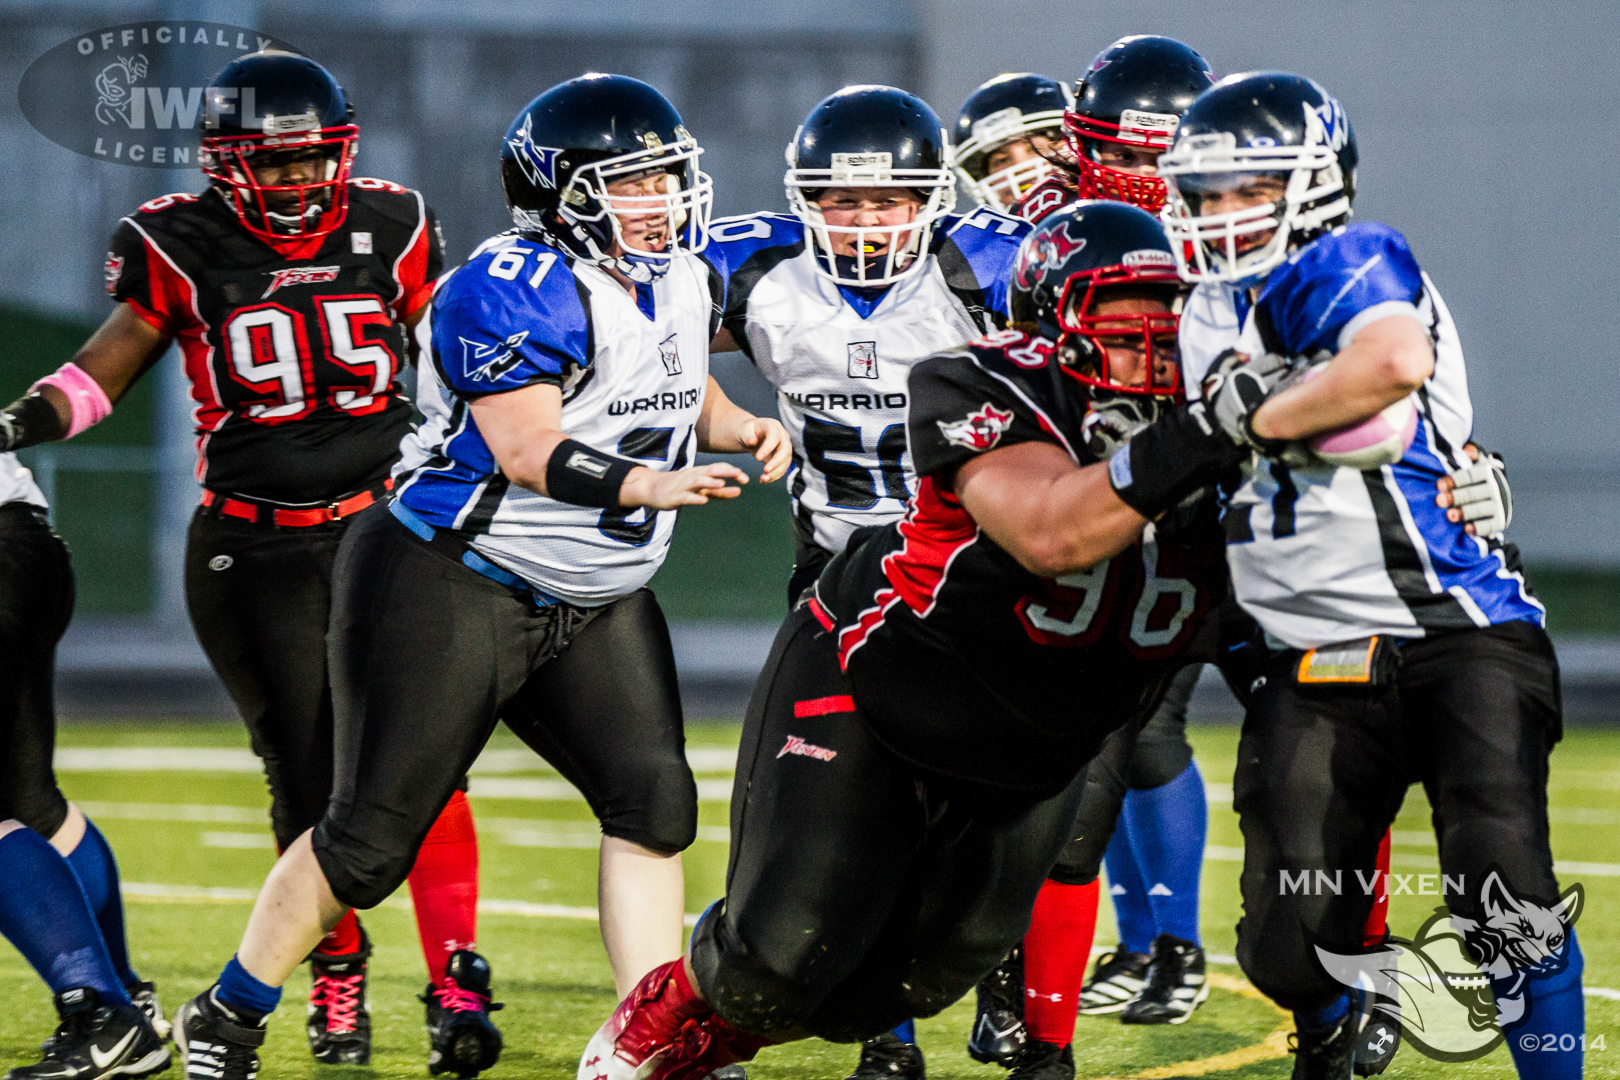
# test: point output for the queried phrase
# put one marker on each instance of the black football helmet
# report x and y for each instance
(1265, 123)
(1083, 254)
(1132, 95)
(1008, 107)
(567, 145)
(877, 137)
(265, 109)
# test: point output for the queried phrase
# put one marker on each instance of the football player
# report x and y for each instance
(567, 394)
(836, 325)
(288, 284)
(1008, 131)
(60, 904)
(1303, 323)
(1125, 110)
(915, 751)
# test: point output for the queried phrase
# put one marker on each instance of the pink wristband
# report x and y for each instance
(87, 401)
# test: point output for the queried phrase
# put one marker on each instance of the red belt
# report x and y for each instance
(263, 513)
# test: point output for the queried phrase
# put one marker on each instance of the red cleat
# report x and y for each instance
(649, 1023)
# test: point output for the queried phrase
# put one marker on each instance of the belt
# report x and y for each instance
(457, 549)
(270, 514)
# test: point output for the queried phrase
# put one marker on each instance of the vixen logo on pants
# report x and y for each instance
(796, 745)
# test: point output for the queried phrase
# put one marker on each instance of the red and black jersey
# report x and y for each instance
(292, 354)
(964, 662)
(1057, 189)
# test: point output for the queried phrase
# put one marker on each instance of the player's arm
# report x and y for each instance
(724, 427)
(523, 430)
(1384, 362)
(83, 391)
(1053, 516)
(723, 341)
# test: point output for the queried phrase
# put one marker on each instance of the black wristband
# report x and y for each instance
(1169, 459)
(578, 474)
(27, 421)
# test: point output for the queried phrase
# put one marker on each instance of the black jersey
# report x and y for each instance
(292, 350)
(964, 662)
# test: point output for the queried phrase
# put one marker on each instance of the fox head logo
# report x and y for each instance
(979, 430)
(1460, 980)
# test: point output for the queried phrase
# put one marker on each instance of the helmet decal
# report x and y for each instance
(539, 163)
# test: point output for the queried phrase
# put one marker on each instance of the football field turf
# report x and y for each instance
(183, 806)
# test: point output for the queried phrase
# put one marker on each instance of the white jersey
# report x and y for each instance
(840, 358)
(17, 483)
(632, 375)
(1322, 554)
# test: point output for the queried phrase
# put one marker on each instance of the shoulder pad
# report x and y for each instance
(1309, 300)
(165, 202)
(741, 236)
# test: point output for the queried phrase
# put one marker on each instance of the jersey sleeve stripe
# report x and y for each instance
(410, 269)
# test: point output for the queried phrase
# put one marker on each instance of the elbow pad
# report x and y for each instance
(1170, 459)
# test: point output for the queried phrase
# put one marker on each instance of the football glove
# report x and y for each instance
(1483, 496)
(1113, 420)
(1235, 387)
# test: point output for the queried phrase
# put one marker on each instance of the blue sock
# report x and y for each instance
(44, 913)
(1167, 826)
(1555, 1017)
(1132, 915)
(1311, 1020)
(907, 1032)
(97, 871)
(243, 993)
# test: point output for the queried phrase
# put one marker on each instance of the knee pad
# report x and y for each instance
(1284, 967)
(361, 874)
(657, 810)
(745, 987)
(1080, 861)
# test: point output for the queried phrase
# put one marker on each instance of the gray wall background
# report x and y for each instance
(1489, 134)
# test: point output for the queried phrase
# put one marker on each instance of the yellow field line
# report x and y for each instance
(1274, 1045)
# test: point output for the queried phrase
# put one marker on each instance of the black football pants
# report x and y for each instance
(1322, 770)
(856, 896)
(36, 602)
(259, 602)
(426, 655)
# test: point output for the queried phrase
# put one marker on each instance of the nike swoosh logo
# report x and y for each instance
(103, 1060)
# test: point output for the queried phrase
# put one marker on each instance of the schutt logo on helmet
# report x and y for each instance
(133, 93)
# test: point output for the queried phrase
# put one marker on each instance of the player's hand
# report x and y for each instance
(768, 440)
(1113, 420)
(1478, 496)
(684, 487)
(1237, 385)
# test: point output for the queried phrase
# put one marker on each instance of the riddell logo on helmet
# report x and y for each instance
(133, 93)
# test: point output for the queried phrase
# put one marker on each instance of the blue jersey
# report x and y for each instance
(839, 357)
(1324, 554)
(632, 373)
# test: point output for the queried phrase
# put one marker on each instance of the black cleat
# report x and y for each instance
(1176, 984)
(1326, 1055)
(144, 995)
(889, 1057)
(460, 1037)
(998, 1027)
(215, 1042)
(339, 1021)
(1043, 1061)
(1116, 980)
(1380, 1037)
(95, 1040)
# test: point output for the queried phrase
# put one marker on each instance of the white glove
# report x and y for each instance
(1483, 496)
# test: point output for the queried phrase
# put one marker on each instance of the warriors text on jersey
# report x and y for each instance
(632, 375)
(291, 360)
(839, 357)
(1327, 554)
(969, 665)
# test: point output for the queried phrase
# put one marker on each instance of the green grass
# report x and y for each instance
(554, 977)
